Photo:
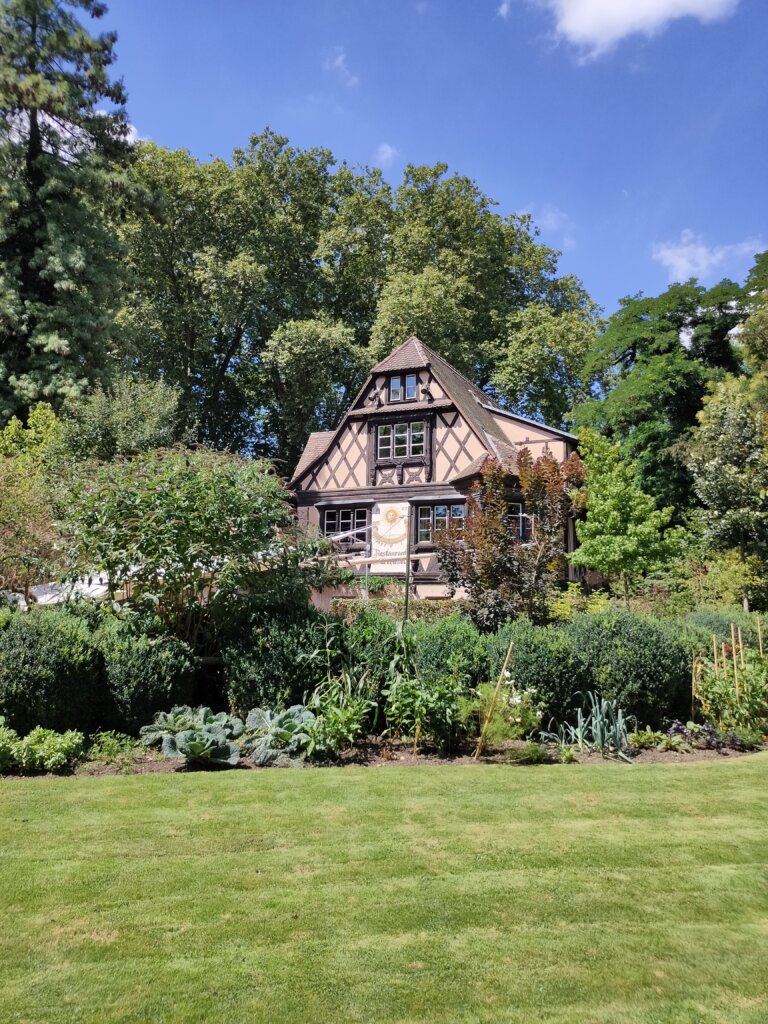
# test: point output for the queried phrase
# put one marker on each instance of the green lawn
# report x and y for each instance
(619, 895)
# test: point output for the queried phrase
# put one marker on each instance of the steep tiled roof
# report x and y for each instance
(475, 406)
(315, 446)
(413, 354)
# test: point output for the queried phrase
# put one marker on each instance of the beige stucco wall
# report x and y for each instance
(456, 445)
(536, 439)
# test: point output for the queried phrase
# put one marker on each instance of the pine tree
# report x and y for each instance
(64, 148)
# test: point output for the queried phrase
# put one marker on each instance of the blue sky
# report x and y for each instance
(635, 131)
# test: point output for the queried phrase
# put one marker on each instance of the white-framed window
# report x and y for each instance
(400, 440)
(349, 524)
(431, 519)
(521, 522)
(402, 388)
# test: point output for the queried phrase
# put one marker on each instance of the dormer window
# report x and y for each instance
(400, 440)
(402, 388)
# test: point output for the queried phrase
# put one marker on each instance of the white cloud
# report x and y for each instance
(385, 154)
(692, 257)
(504, 8)
(597, 25)
(337, 64)
(554, 222)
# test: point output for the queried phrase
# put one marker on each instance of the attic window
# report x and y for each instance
(402, 388)
(400, 440)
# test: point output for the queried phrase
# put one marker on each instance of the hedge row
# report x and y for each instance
(58, 671)
(76, 669)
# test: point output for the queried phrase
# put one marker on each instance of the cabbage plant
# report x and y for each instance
(279, 738)
(183, 718)
(208, 745)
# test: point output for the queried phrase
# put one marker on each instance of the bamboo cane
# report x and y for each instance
(487, 722)
(714, 648)
(694, 677)
(735, 665)
(760, 636)
(725, 660)
(741, 650)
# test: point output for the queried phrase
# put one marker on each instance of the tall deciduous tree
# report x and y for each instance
(541, 359)
(313, 369)
(729, 461)
(63, 152)
(622, 536)
(656, 357)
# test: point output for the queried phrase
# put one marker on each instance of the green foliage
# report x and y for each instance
(540, 370)
(718, 621)
(426, 711)
(654, 383)
(341, 706)
(622, 535)
(179, 526)
(143, 673)
(8, 740)
(530, 753)
(28, 535)
(300, 401)
(646, 739)
(182, 718)
(729, 462)
(516, 712)
(600, 725)
(638, 663)
(279, 739)
(503, 573)
(573, 600)
(452, 643)
(114, 748)
(131, 415)
(51, 673)
(543, 659)
(735, 704)
(207, 745)
(64, 150)
(270, 666)
(369, 642)
(44, 750)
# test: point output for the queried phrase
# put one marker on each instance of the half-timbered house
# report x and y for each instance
(403, 458)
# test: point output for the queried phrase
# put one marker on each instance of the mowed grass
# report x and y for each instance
(607, 895)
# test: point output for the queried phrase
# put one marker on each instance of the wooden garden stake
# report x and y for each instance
(725, 661)
(489, 716)
(741, 650)
(416, 737)
(760, 636)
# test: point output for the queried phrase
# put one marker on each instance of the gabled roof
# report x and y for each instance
(317, 445)
(476, 407)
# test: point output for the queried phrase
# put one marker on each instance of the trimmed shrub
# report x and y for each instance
(143, 674)
(639, 663)
(271, 667)
(450, 642)
(718, 621)
(544, 659)
(8, 740)
(51, 673)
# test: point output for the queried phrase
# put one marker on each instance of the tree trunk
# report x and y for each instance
(625, 581)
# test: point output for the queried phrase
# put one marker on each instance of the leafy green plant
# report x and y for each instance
(183, 718)
(567, 755)
(114, 748)
(44, 750)
(531, 753)
(432, 712)
(645, 739)
(735, 703)
(8, 740)
(600, 725)
(205, 745)
(341, 706)
(279, 738)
